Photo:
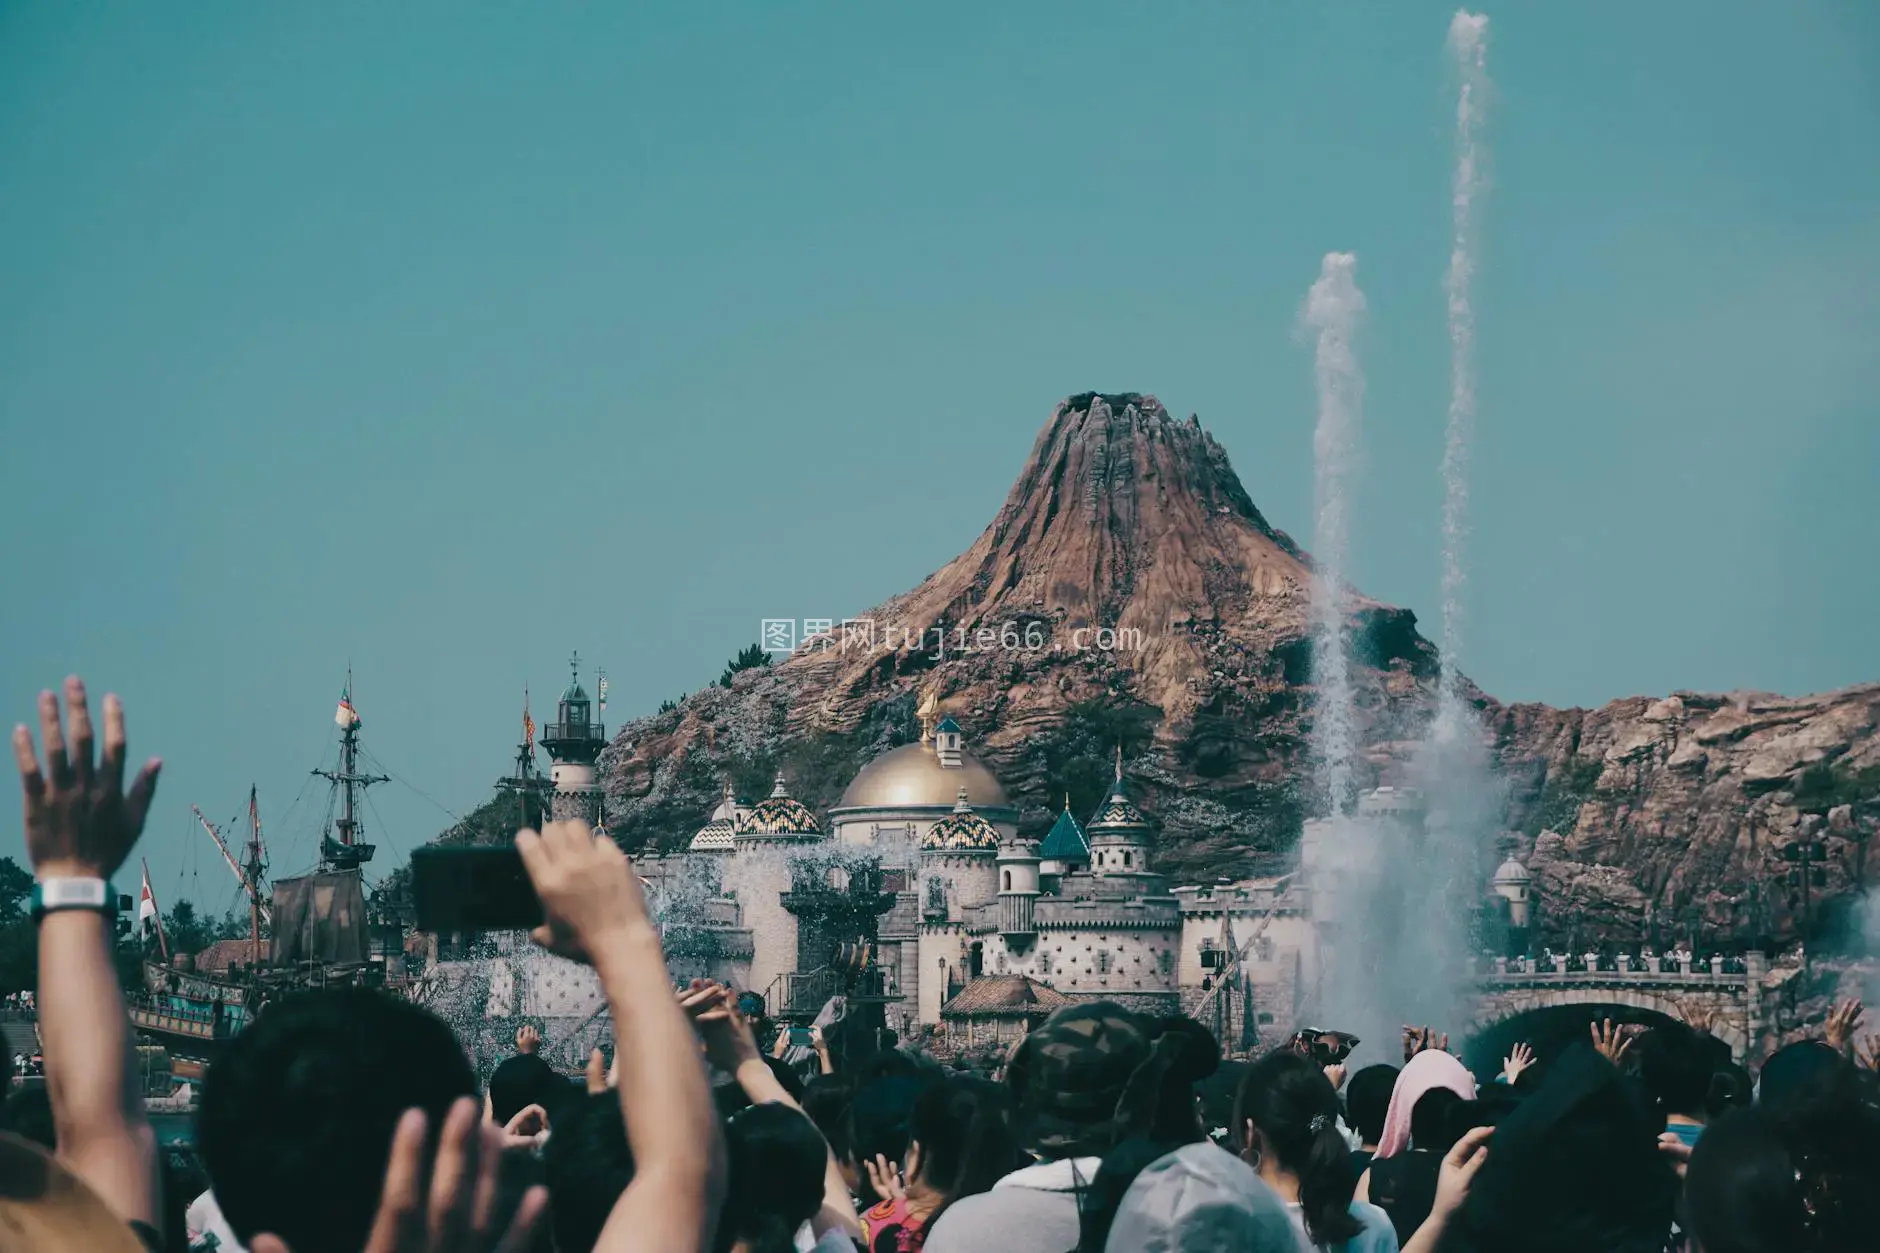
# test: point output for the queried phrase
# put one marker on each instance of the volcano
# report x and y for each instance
(1130, 595)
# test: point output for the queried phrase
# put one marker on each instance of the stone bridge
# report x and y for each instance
(1735, 998)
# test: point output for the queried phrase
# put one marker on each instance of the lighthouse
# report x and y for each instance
(574, 742)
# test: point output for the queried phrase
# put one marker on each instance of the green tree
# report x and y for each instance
(748, 658)
(185, 932)
(19, 955)
(16, 888)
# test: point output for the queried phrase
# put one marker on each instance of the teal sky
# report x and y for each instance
(445, 339)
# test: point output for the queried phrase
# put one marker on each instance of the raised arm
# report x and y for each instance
(80, 826)
(596, 914)
(731, 1046)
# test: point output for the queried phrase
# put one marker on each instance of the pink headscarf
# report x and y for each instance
(1426, 1071)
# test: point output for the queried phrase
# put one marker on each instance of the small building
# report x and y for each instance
(998, 1009)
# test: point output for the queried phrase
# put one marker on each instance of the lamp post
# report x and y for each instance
(1806, 858)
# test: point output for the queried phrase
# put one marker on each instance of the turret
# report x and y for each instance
(946, 743)
(1018, 863)
(1514, 884)
(574, 742)
(1065, 848)
(1119, 833)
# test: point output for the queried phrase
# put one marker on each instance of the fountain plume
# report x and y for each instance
(1333, 310)
(1468, 47)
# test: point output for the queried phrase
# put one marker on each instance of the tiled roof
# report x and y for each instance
(1066, 840)
(224, 954)
(715, 836)
(1118, 813)
(947, 724)
(779, 814)
(961, 831)
(1004, 996)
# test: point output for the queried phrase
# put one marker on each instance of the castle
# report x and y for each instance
(922, 907)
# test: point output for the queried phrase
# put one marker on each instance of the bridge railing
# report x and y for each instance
(1652, 970)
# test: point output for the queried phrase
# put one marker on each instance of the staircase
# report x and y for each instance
(19, 1036)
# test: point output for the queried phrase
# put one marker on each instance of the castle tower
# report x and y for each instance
(1514, 884)
(761, 877)
(1018, 863)
(946, 744)
(1119, 833)
(1066, 848)
(574, 742)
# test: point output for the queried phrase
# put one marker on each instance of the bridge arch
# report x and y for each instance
(1585, 1003)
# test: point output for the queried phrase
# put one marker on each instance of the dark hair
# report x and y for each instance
(297, 1116)
(881, 1115)
(1676, 1064)
(1730, 1088)
(1797, 1181)
(1196, 1056)
(1294, 1110)
(523, 1081)
(1429, 1121)
(588, 1164)
(964, 1128)
(777, 1161)
(828, 1099)
(1800, 1074)
(1097, 1205)
(1367, 1100)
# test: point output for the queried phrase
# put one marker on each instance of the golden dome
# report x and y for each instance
(912, 776)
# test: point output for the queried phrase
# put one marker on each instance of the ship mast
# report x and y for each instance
(348, 852)
(249, 879)
(256, 865)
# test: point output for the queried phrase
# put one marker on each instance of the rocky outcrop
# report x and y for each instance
(1129, 592)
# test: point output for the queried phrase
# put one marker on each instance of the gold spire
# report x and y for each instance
(928, 713)
(1119, 761)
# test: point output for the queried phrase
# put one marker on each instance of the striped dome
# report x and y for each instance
(1117, 813)
(778, 814)
(719, 834)
(961, 831)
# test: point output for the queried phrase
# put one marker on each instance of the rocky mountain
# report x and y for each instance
(1129, 592)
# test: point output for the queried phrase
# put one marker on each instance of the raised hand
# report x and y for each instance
(1336, 1073)
(1700, 1017)
(527, 1128)
(528, 1039)
(1839, 1032)
(588, 891)
(1677, 1150)
(1457, 1172)
(885, 1176)
(724, 1031)
(1516, 1062)
(1412, 1041)
(1868, 1053)
(454, 1210)
(80, 822)
(1612, 1042)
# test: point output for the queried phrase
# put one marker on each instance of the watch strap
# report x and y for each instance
(52, 895)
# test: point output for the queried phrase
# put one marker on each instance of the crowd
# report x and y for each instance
(348, 1120)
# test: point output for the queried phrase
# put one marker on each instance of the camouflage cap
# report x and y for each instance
(1069, 1075)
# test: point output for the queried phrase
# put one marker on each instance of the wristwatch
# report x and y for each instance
(51, 895)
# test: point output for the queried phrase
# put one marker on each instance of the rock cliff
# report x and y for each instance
(1129, 592)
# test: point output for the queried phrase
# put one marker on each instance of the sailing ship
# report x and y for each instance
(307, 930)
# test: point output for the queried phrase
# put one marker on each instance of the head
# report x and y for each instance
(1426, 1071)
(829, 1101)
(297, 1116)
(1431, 1122)
(775, 1182)
(1676, 1065)
(961, 1140)
(523, 1081)
(1799, 1074)
(1796, 1182)
(1367, 1101)
(1730, 1088)
(1191, 1056)
(1197, 1200)
(1287, 1123)
(1575, 1166)
(1069, 1077)
(588, 1165)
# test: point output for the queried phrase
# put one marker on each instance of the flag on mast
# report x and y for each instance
(603, 691)
(347, 717)
(528, 723)
(148, 917)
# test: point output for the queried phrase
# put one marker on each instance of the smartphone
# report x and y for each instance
(801, 1036)
(473, 889)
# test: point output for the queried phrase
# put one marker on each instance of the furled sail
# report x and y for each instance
(320, 918)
